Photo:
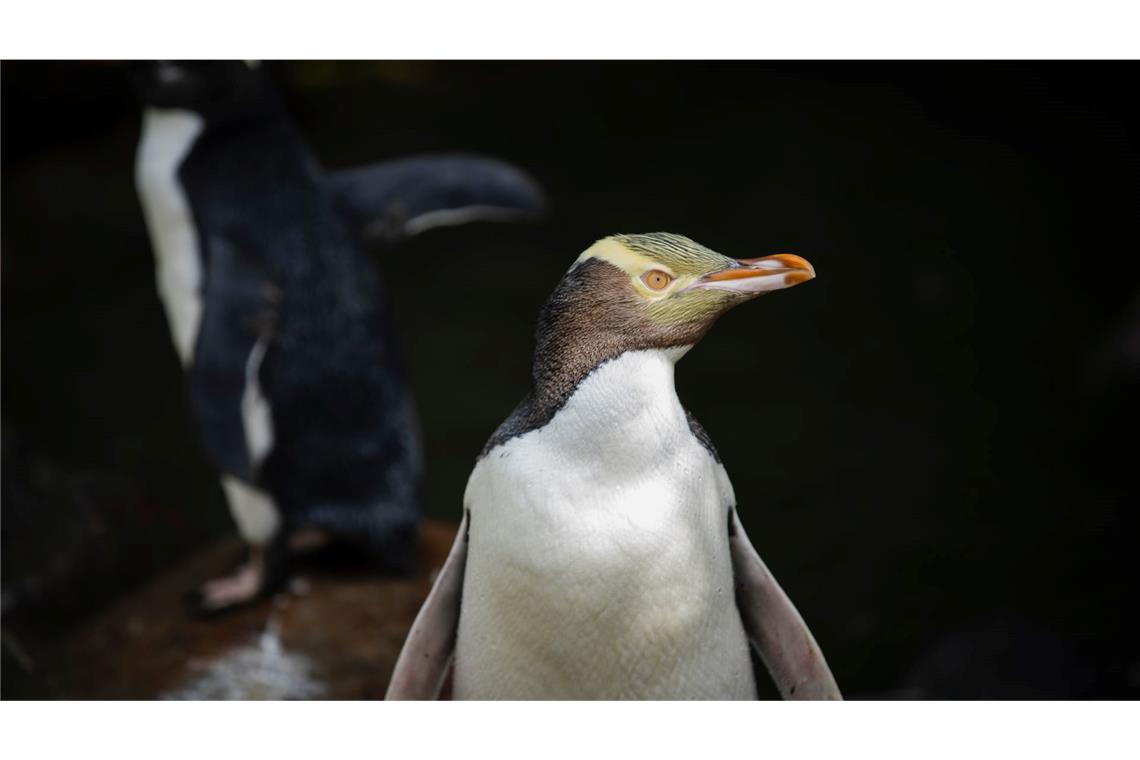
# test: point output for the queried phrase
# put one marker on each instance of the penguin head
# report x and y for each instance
(650, 291)
(216, 90)
(674, 280)
(663, 290)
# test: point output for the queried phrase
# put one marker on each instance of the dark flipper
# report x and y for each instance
(426, 656)
(407, 196)
(774, 626)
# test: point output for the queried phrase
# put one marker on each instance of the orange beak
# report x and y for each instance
(762, 275)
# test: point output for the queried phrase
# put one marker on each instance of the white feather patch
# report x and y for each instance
(257, 517)
(256, 412)
(451, 217)
(167, 137)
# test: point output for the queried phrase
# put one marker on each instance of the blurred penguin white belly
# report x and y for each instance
(598, 563)
(255, 514)
(167, 137)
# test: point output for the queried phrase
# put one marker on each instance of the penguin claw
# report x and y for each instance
(198, 606)
(248, 584)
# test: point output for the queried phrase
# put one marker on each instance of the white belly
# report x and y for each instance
(167, 137)
(598, 563)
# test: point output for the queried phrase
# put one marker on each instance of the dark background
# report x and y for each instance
(933, 445)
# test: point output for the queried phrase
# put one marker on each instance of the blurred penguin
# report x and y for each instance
(278, 315)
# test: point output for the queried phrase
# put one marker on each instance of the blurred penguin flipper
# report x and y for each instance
(406, 196)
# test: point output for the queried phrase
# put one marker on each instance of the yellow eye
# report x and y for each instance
(655, 279)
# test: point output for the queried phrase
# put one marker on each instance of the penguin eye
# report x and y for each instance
(655, 279)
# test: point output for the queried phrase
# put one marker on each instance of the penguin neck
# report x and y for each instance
(589, 325)
(554, 382)
(625, 399)
(591, 319)
(626, 410)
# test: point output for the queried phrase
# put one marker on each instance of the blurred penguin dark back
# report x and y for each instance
(279, 317)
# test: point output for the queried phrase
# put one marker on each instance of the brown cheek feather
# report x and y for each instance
(593, 316)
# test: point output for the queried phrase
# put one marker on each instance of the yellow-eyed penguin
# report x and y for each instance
(600, 555)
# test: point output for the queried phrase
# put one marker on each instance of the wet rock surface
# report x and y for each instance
(333, 633)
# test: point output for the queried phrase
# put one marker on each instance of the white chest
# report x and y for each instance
(598, 564)
(167, 137)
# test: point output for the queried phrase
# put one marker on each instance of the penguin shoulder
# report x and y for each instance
(723, 483)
